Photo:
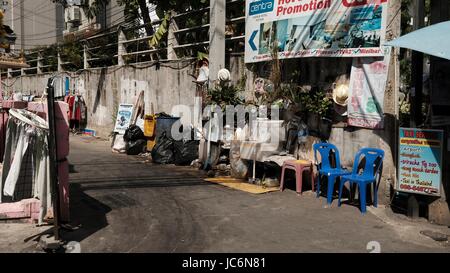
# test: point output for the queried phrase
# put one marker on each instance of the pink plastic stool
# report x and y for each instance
(299, 166)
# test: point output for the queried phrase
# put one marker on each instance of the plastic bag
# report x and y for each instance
(162, 153)
(136, 147)
(185, 152)
(133, 133)
(119, 145)
(239, 168)
(302, 133)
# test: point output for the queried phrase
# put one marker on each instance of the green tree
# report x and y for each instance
(138, 9)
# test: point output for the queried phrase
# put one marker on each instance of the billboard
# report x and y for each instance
(124, 116)
(314, 28)
(368, 80)
(420, 161)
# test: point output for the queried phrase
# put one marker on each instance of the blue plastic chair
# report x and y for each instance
(372, 168)
(325, 169)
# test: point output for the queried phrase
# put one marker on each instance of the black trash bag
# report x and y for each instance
(162, 153)
(185, 152)
(133, 133)
(136, 147)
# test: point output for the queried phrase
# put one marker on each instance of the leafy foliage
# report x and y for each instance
(313, 101)
(316, 102)
(72, 52)
(163, 6)
(161, 32)
(223, 95)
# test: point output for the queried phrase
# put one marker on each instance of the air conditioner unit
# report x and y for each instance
(73, 14)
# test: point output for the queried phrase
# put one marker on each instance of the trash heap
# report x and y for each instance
(250, 149)
(155, 140)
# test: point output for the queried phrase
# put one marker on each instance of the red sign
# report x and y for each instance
(355, 3)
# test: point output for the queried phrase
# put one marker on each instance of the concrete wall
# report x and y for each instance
(164, 86)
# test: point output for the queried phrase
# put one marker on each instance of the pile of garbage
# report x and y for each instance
(252, 150)
(169, 151)
(156, 140)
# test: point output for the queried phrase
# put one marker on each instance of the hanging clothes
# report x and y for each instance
(83, 111)
(74, 107)
(77, 111)
(26, 153)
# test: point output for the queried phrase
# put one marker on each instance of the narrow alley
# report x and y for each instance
(125, 204)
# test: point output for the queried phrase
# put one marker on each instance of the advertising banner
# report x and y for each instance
(314, 28)
(368, 80)
(420, 161)
(123, 120)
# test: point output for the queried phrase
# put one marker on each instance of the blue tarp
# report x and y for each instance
(433, 40)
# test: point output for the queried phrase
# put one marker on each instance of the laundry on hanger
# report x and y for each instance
(26, 165)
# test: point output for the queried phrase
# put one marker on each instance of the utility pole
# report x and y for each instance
(216, 37)
(439, 210)
(59, 15)
(12, 19)
(22, 25)
(417, 68)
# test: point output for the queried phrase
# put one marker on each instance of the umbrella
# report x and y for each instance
(433, 40)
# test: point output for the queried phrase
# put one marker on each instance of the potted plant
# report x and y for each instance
(317, 106)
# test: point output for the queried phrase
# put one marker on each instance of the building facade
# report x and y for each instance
(35, 22)
(78, 22)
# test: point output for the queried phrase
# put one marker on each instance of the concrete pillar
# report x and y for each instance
(85, 57)
(388, 141)
(39, 62)
(121, 48)
(216, 37)
(60, 68)
(172, 39)
(439, 209)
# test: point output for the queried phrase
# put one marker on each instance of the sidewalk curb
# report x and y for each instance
(405, 228)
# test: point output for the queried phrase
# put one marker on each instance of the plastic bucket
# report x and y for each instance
(149, 125)
(164, 124)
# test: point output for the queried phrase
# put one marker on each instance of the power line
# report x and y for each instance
(54, 19)
(32, 13)
(97, 33)
(114, 24)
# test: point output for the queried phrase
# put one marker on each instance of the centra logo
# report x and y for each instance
(261, 6)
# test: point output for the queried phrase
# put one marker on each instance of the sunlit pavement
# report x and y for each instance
(125, 204)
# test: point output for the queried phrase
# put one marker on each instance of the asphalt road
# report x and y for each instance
(125, 204)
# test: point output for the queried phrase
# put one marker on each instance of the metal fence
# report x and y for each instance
(186, 36)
